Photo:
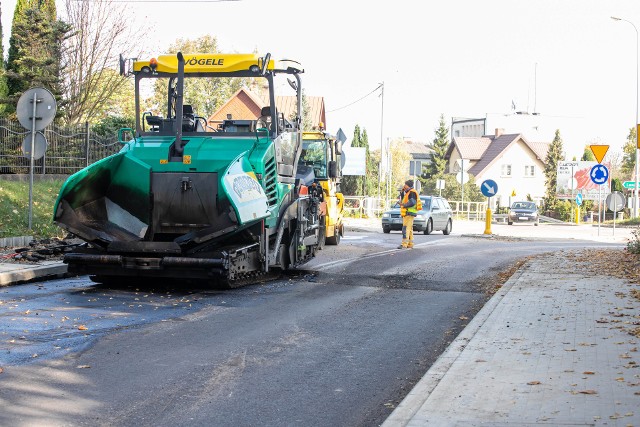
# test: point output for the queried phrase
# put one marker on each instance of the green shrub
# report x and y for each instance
(563, 210)
(633, 245)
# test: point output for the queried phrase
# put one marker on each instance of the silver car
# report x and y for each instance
(523, 212)
(435, 215)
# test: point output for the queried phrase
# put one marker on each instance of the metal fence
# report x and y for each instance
(372, 207)
(69, 149)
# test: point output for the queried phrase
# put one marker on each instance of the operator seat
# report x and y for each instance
(188, 119)
(265, 118)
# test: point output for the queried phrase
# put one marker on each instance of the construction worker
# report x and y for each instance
(410, 204)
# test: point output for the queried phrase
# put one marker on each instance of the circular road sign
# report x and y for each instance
(462, 177)
(45, 108)
(615, 201)
(599, 174)
(39, 146)
(489, 188)
(579, 199)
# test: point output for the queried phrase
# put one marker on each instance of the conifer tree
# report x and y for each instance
(587, 155)
(440, 146)
(3, 76)
(554, 155)
(352, 185)
(372, 179)
(35, 48)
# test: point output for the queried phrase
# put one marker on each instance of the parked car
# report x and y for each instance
(436, 215)
(523, 212)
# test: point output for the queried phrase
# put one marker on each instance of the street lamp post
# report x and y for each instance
(381, 87)
(635, 179)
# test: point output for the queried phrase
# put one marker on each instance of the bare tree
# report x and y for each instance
(90, 57)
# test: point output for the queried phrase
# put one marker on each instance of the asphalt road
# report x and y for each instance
(339, 343)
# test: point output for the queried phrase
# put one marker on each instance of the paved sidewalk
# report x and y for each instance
(12, 273)
(552, 347)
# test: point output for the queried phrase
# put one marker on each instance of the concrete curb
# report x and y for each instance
(15, 241)
(31, 272)
(420, 393)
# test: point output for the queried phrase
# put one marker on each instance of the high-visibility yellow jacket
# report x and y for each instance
(407, 206)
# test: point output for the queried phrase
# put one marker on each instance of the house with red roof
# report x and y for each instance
(247, 105)
(513, 162)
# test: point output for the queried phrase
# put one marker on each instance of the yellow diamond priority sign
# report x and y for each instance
(599, 151)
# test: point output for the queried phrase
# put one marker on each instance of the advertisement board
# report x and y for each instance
(573, 178)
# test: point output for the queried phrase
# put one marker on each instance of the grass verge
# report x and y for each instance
(14, 209)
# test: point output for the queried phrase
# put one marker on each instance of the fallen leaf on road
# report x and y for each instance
(587, 392)
(589, 373)
(83, 367)
(1, 370)
(534, 383)
(82, 328)
(463, 318)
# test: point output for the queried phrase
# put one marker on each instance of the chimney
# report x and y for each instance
(499, 132)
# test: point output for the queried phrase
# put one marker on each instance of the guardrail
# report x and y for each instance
(372, 207)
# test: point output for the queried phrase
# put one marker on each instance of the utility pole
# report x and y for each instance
(381, 87)
(388, 171)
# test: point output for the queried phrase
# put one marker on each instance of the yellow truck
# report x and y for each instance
(321, 155)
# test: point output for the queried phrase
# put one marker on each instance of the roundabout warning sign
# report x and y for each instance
(599, 174)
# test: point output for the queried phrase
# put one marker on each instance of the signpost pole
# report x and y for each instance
(462, 183)
(33, 144)
(615, 213)
(599, 207)
(489, 188)
(33, 118)
(572, 196)
(487, 224)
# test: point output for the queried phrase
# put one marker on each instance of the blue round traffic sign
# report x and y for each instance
(599, 174)
(489, 188)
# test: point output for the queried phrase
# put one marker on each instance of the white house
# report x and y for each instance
(514, 163)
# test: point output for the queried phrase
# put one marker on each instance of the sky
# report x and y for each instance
(567, 61)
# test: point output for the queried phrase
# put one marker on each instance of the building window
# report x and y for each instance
(506, 170)
(530, 170)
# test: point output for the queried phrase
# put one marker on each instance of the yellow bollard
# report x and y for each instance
(487, 229)
(578, 215)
